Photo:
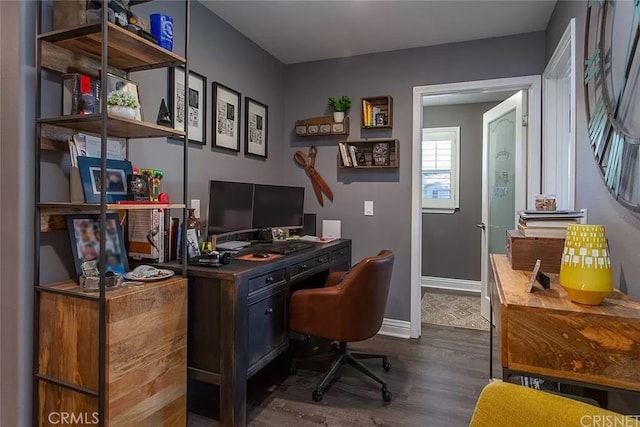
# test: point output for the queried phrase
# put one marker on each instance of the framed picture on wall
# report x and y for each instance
(255, 127)
(196, 103)
(226, 117)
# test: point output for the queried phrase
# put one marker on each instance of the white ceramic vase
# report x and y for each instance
(122, 112)
(338, 116)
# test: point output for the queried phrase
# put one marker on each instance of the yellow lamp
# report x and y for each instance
(585, 271)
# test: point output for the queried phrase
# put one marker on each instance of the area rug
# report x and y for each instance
(459, 311)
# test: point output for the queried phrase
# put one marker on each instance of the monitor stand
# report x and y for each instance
(231, 245)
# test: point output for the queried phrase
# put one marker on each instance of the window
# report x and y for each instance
(440, 158)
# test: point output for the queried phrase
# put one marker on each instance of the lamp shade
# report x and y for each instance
(585, 271)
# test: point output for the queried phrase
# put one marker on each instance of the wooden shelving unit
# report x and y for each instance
(116, 356)
(377, 112)
(373, 151)
(321, 126)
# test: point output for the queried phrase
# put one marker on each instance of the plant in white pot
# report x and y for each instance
(122, 104)
(340, 107)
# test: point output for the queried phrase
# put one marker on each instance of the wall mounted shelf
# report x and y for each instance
(377, 112)
(321, 126)
(379, 153)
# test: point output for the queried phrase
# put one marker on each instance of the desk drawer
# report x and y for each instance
(266, 279)
(308, 265)
(340, 259)
(267, 327)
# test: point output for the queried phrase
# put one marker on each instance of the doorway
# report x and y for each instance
(531, 85)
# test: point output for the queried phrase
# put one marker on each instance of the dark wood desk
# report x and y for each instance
(544, 333)
(238, 316)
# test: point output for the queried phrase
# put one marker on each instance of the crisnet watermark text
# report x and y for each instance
(613, 420)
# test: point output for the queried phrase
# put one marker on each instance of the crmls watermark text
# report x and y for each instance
(73, 418)
(610, 421)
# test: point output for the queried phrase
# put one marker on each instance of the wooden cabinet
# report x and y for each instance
(377, 112)
(145, 352)
(377, 153)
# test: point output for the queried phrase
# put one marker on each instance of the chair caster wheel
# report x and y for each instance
(293, 369)
(385, 364)
(386, 394)
(317, 395)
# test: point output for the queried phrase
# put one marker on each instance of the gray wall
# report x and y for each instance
(457, 254)
(390, 73)
(622, 228)
(16, 232)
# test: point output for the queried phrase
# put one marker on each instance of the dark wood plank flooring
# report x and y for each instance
(435, 381)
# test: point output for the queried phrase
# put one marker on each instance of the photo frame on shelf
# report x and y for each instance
(196, 105)
(256, 127)
(84, 235)
(117, 173)
(120, 83)
(226, 117)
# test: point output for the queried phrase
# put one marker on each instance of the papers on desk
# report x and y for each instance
(317, 239)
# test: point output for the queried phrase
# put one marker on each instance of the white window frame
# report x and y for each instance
(450, 205)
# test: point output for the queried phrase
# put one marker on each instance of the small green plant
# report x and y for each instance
(343, 104)
(122, 99)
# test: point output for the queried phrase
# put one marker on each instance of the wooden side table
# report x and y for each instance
(543, 333)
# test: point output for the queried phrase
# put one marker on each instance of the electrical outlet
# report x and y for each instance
(368, 207)
(195, 204)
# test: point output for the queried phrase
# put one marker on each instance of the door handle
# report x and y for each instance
(481, 225)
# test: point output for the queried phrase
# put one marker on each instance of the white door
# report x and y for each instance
(504, 179)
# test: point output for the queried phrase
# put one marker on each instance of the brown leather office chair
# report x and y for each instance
(349, 308)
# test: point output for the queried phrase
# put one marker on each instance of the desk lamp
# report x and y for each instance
(585, 271)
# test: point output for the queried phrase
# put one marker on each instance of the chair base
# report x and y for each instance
(344, 356)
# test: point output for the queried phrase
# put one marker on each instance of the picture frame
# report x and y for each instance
(117, 174)
(226, 117)
(84, 232)
(256, 128)
(120, 83)
(197, 103)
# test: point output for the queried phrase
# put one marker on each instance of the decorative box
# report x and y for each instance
(524, 251)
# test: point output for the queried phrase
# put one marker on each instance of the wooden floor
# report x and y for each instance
(435, 381)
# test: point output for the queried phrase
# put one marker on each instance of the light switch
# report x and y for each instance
(368, 207)
(195, 204)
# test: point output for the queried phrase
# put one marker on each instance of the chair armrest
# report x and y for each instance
(335, 278)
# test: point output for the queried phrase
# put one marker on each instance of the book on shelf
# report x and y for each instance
(146, 235)
(548, 223)
(344, 154)
(551, 232)
(549, 215)
(354, 157)
(80, 94)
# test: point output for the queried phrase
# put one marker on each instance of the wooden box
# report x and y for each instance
(69, 13)
(524, 251)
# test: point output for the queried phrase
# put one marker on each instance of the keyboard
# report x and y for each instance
(288, 248)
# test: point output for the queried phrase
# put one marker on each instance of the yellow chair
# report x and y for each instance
(511, 405)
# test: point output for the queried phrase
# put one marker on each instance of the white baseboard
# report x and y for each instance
(395, 328)
(474, 286)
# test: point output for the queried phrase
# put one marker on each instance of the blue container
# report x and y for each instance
(162, 29)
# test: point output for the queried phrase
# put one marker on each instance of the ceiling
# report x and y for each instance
(308, 30)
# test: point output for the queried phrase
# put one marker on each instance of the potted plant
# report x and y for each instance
(122, 104)
(340, 107)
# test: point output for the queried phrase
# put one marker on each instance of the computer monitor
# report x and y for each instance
(230, 207)
(278, 206)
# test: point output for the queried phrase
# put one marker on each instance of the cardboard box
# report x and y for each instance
(524, 251)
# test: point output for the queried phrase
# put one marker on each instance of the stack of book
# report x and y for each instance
(547, 223)
(350, 155)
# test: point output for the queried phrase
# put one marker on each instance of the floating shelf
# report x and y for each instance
(126, 50)
(377, 112)
(321, 126)
(377, 153)
(116, 127)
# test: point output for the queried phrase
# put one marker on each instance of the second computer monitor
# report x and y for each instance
(230, 207)
(278, 206)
